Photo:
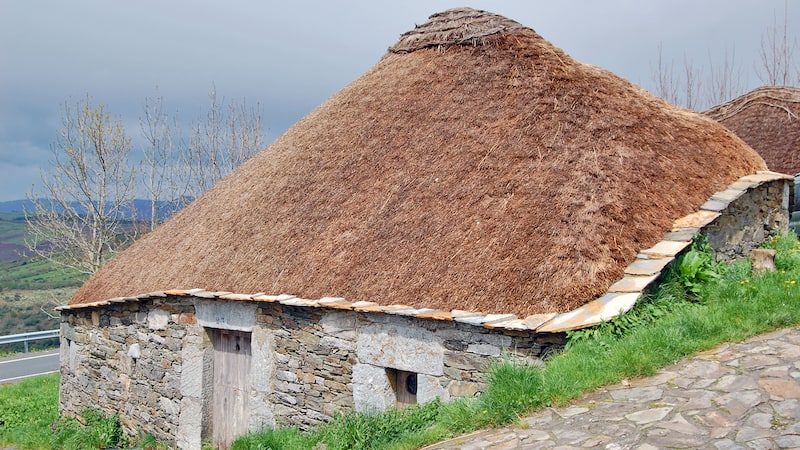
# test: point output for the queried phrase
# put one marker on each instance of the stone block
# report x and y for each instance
(192, 372)
(648, 267)
(462, 389)
(335, 322)
(371, 389)
(411, 349)
(157, 319)
(429, 389)
(632, 283)
(226, 315)
(763, 260)
(484, 349)
(189, 435)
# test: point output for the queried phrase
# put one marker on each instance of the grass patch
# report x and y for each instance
(29, 420)
(36, 274)
(699, 305)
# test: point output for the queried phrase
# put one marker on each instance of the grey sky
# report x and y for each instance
(291, 56)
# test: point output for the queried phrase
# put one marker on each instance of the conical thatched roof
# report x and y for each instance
(475, 166)
(768, 119)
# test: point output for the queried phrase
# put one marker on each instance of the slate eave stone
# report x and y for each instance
(714, 205)
(681, 234)
(697, 219)
(665, 249)
(412, 312)
(536, 320)
(728, 195)
(470, 320)
(648, 267)
(633, 283)
(592, 313)
(436, 314)
(235, 297)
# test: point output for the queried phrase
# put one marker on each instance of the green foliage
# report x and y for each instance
(27, 409)
(29, 420)
(513, 387)
(696, 267)
(282, 438)
(371, 431)
(98, 432)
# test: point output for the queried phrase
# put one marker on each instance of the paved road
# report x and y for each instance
(737, 396)
(18, 367)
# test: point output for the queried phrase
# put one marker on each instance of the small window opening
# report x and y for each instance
(404, 385)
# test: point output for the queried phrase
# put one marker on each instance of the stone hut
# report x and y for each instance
(768, 119)
(474, 194)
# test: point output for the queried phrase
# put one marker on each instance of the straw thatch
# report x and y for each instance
(768, 119)
(496, 175)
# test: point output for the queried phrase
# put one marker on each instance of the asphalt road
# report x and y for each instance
(18, 367)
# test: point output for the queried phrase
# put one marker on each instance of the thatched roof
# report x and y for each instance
(768, 119)
(487, 173)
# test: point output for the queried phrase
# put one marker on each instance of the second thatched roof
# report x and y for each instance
(475, 166)
(768, 119)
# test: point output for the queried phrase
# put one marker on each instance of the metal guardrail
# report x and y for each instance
(25, 337)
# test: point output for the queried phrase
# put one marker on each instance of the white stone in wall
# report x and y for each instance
(192, 371)
(371, 389)
(169, 407)
(238, 316)
(262, 362)
(261, 415)
(484, 349)
(157, 319)
(75, 359)
(338, 321)
(134, 351)
(401, 347)
(190, 424)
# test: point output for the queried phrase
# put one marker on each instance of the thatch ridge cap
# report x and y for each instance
(456, 26)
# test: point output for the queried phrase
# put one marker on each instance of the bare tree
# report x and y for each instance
(162, 178)
(78, 218)
(726, 80)
(221, 142)
(681, 89)
(777, 54)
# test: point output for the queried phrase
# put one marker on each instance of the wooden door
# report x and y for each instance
(405, 387)
(230, 412)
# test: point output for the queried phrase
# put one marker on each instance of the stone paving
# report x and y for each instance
(737, 396)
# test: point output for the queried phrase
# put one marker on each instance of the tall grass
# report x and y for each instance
(27, 409)
(29, 420)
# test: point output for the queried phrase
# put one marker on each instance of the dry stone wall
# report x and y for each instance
(150, 361)
(748, 216)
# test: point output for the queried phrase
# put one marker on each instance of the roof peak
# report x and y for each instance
(457, 26)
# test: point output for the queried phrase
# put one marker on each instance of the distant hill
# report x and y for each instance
(141, 208)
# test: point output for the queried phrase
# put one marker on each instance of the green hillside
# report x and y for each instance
(19, 271)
